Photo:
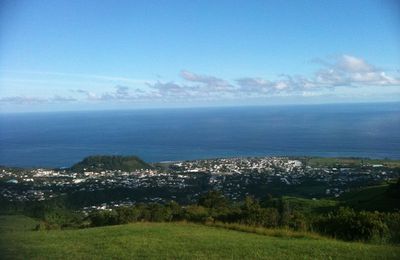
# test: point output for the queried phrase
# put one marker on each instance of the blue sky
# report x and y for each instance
(79, 55)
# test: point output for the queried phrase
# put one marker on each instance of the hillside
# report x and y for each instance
(310, 206)
(105, 162)
(171, 240)
(349, 162)
(384, 197)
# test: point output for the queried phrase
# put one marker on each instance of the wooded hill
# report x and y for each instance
(106, 162)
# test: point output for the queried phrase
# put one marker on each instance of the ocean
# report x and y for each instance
(59, 139)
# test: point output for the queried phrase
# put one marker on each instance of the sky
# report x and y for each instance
(101, 54)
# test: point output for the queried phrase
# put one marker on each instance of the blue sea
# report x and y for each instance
(59, 139)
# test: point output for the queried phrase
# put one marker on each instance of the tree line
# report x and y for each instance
(343, 223)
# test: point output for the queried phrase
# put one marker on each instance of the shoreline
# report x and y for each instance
(166, 162)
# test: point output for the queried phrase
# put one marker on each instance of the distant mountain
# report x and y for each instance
(105, 162)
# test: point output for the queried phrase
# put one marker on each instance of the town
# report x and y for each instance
(185, 181)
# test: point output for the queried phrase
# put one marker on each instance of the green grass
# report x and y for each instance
(310, 206)
(350, 162)
(371, 198)
(12, 223)
(273, 232)
(173, 241)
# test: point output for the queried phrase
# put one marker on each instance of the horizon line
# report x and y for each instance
(200, 107)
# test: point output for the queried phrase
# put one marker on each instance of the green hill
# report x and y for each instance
(384, 197)
(310, 206)
(105, 162)
(349, 162)
(172, 241)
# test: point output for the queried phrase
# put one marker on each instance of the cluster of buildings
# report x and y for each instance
(187, 180)
(239, 165)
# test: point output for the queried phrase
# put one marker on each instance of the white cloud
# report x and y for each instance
(26, 100)
(208, 83)
(346, 71)
(343, 72)
(81, 76)
(353, 64)
(353, 72)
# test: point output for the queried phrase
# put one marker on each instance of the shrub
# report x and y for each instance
(176, 211)
(254, 214)
(392, 221)
(348, 224)
(127, 215)
(46, 226)
(196, 213)
(103, 218)
(159, 213)
(297, 221)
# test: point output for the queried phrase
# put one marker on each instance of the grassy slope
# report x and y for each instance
(11, 223)
(371, 198)
(366, 198)
(173, 240)
(309, 206)
(349, 162)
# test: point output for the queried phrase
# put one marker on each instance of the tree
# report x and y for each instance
(213, 200)
(176, 210)
(284, 212)
(127, 214)
(348, 224)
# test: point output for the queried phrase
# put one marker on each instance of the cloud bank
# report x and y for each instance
(345, 71)
(36, 100)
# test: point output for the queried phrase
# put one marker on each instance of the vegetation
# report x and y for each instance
(309, 206)
(326, 217)
(214, 227)
(348, 224)
(384, 197)
(16, 223)
(281, 227)
(350, 162)
(153, 240)
(342, 223)
(103, 162)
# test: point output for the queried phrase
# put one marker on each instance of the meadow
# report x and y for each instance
(173, 241)
(350, 162)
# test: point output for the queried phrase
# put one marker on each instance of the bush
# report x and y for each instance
(46, 226)
(270, 217)
(297, 221)
(159, 213)
(216, 203)
(127, 215)
(196, 213)
(348, 224)
(103, 218)
(175, 211)
(253, 214)
(392, 221)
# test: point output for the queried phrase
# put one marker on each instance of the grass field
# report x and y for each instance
(309, 206)
(371, 198)
(349, 162)
(366, 198)
(171, 241)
